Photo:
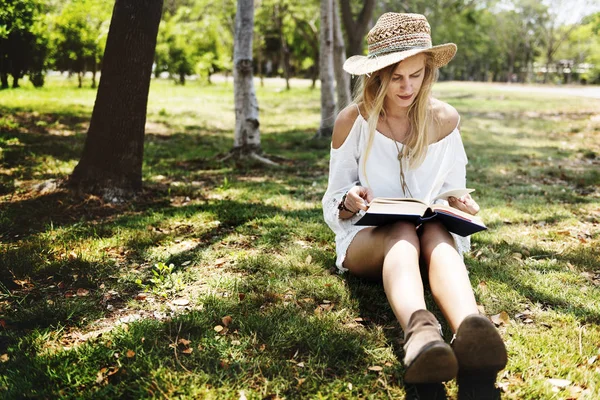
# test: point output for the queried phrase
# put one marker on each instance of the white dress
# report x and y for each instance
(443, 169)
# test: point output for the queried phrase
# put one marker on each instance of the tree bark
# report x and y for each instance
(342, 78)
(356, 29)
(326, 70)
(247, 134)
(112, 157)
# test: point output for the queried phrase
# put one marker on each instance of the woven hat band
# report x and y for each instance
(406, 42)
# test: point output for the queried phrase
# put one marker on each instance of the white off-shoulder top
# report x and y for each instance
(443, 169)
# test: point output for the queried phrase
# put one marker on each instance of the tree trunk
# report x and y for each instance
(342, 78)
(113, 152)
(326, 70)
(247, 134)
(94, 70)
(356, 29)
(80, 79)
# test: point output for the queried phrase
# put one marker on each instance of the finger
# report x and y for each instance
(369, 197)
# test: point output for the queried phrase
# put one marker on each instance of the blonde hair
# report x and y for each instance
(371, 91)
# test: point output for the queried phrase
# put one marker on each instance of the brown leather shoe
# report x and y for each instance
(428, 358)
(479, 348)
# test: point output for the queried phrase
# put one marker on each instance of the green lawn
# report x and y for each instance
(218, 281)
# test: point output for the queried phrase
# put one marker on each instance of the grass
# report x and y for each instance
(218, 281)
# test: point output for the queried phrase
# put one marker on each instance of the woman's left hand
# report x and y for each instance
(464, 203)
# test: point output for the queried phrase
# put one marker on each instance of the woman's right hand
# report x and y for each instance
(357, 198)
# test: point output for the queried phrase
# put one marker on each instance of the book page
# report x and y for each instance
(395, 200)
(452, 193)
(457, 212)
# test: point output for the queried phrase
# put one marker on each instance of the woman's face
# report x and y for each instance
(406, 81)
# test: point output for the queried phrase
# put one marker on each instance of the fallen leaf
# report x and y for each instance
(181, 302)
(184, 342)
(130, 354)
(300, 381)
(559, 383)
(218, 328)
(141, 296)
(592, 360)
(241, 296)
(189, 350)
(528, 321)
(308, 259)
(4, 358)
(81, 292)
(226, 320)
(300, 364)
(236, 342)
(501, 319)
(220, 261)
(482, 286)
(72, 255)
(375, 368)
(242, 395)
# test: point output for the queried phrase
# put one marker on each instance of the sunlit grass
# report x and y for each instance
(249, 243)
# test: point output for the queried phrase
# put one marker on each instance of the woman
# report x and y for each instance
(398, 141)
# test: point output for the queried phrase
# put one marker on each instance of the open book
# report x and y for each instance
(384, 210)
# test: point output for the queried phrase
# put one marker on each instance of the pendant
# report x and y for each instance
(400, 157)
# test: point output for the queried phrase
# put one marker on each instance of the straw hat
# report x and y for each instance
(396, 37)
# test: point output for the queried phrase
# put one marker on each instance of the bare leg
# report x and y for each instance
(392, 253)
(448, 276)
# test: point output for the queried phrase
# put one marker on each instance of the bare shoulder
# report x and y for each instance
(343, 124)
(446, 118)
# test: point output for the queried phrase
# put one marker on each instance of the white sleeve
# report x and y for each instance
(457, 179)
(343, 175)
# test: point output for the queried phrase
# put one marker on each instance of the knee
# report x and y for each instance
(401, 234)
(433, 234)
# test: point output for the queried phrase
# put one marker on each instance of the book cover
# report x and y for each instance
(384, 211)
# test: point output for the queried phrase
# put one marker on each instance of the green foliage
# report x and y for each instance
(196, 39)
(164, 280)
(79, 35)
(23, 41)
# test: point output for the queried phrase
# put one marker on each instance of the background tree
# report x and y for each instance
(342, 78)
(356, 27)
(23, 41)
(326, 70)
(79, 37)
(111, 162)
(247, 134)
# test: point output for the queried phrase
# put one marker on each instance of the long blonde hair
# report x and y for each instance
(371, 91)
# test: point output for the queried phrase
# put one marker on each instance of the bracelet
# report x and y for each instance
(342, 205)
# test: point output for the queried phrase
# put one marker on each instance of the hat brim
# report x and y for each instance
(360, 65)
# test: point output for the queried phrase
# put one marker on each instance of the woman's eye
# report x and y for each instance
(415, 76)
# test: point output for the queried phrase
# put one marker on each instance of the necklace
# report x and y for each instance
(403, 184)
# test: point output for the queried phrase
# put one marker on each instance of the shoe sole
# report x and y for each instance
(436, 363)
(479, 348)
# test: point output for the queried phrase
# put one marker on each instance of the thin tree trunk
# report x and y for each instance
(356, 29)
(326, 70)
(112, 157)
(247, 134)
(342, 78)
(94, 70)
(80, 79)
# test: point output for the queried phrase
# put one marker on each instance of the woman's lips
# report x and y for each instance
(406, 97)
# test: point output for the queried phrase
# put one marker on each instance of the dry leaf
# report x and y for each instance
(482, 286)
(220, 261)
(308, 259)
(81, 292)
(226, 320)
(241, 296)
(130, 354)
(592, 360)
(4, 358)
(501, 319)
(236, 342)
(141, 296)
(300, 364)
(375, 368)
(184, 342)
(189, 350)
(300, 381)
(242, 395)
(181, 302)
(559, 383)
(72, 255)
(218, 328)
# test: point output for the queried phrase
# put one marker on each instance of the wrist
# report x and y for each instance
(342, 205)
